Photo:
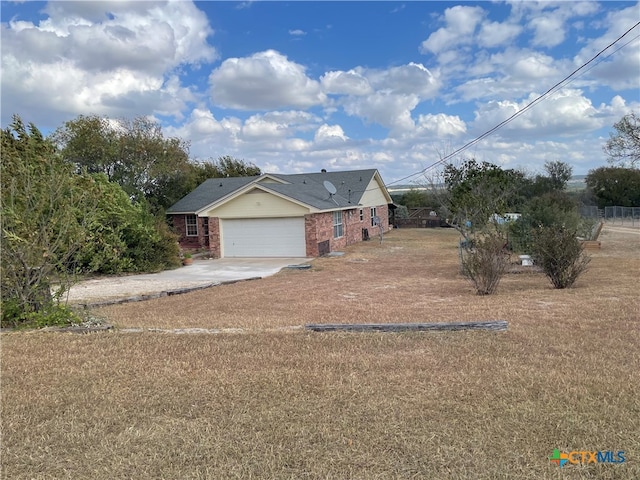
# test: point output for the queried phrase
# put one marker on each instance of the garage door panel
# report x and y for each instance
(263, 237)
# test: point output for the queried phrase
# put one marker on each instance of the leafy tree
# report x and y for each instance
(124, 236)
(57, 223)
(623, 146)
(45, 209)
(615, 186)
(474, 192)
(228, 166)
(171, 188)
(546, 202)
(132, 153)
(555, 179)
(554, 209)
(414, 199)
(558, 174)
(136, 155)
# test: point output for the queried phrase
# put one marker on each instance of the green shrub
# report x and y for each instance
(14, 315)
(559, 253)
(124, 236)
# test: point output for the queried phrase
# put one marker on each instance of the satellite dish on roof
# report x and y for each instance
(331, 188)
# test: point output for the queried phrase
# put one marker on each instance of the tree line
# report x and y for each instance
(89, 199)
(474, 198)
(617, 183)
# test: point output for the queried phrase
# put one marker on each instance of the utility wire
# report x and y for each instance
(557, 86)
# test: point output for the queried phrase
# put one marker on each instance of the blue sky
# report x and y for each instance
(299, 86)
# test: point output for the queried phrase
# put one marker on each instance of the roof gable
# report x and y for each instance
(207, 192)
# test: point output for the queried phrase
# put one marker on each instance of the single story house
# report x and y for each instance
(273, 215)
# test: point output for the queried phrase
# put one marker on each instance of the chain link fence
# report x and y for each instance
(627, 216)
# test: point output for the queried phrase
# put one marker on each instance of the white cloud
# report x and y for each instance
(548, 30)
(345, 83)
(620, 70)
(133, 58)
(204, 131)
(104, 58)
(550, 21)
(329, 135)
(277, 125)
(496, 34)
(410, 79)
(256, 128)
(533, 66)
(140, 36)
(384, 108)
(565, 113)
(298, 119)
(512, 73)
(461, 22)
(262, 81)
(440, 125)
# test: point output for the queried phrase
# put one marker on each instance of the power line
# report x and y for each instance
(558, 86)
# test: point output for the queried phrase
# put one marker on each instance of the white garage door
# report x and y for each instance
(264, 237)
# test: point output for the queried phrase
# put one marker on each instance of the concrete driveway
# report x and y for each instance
(201, 273)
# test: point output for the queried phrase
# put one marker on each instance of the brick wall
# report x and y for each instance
(190, 242)
(186, 242)
(319, 228)
(214, 237)
(310, 235)
(382, 211)
(352, 227)
(322, 231)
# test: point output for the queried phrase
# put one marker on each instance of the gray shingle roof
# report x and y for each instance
(208, 192)
(307, 188)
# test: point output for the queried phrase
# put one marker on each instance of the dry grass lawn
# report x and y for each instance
(277, 402)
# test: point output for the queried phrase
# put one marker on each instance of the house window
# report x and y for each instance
(337, 224)
(192, 225)
(205, 226)
(373, 215)
(362, 214)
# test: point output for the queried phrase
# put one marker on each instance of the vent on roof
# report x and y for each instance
(324, 170)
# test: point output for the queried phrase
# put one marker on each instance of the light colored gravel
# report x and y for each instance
(123, 287)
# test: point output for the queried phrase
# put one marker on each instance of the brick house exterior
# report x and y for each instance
(343, 223)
